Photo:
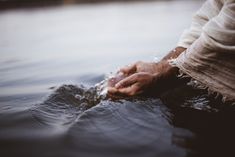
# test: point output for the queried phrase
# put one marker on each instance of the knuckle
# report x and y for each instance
(122, 84)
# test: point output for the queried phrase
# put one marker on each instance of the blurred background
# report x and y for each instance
(46, 43)
(30, 3)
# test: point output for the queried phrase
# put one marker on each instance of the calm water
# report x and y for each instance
(51, 59)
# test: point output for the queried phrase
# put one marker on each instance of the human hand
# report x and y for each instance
(133, 85)
(140, 66)
(153, 77)
(155, 81)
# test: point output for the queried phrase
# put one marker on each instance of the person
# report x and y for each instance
(205, 53)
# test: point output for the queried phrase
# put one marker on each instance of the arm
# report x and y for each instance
(151, 77)
(208, 10)
(174, 53)
(199, 20)
(140, 77)
(210, 59)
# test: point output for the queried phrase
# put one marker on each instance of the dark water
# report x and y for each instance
(51, 60)
(75, 121)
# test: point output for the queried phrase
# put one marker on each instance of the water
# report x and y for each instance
(51, 60)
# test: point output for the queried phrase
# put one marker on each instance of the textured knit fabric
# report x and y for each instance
(210, 55)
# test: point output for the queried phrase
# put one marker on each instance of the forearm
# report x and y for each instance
(165, 77)
(165, 71)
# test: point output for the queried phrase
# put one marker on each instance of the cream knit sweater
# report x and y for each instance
(210, 42)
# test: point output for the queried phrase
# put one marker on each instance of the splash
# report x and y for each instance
(68, 102)
(65, 105)
(110, 81)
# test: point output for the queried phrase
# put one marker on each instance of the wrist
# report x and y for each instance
(165, 71)
(174, 53)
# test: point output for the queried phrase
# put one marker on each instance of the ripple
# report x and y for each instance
(130, 127)
(64, 105)
(91, 123)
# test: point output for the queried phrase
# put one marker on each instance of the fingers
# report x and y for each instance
(128, 91)
(112, 90)
(128, 69)
(127, 87)
(131, 90)
(128, 81)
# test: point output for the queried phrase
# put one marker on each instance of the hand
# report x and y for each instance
(156, 81)
(147, 77)
(133, 85)
(140, 67)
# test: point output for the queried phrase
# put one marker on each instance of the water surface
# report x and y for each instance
(51, 59)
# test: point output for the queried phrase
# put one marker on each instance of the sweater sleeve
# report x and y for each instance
(210, 59)
(208, 10)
